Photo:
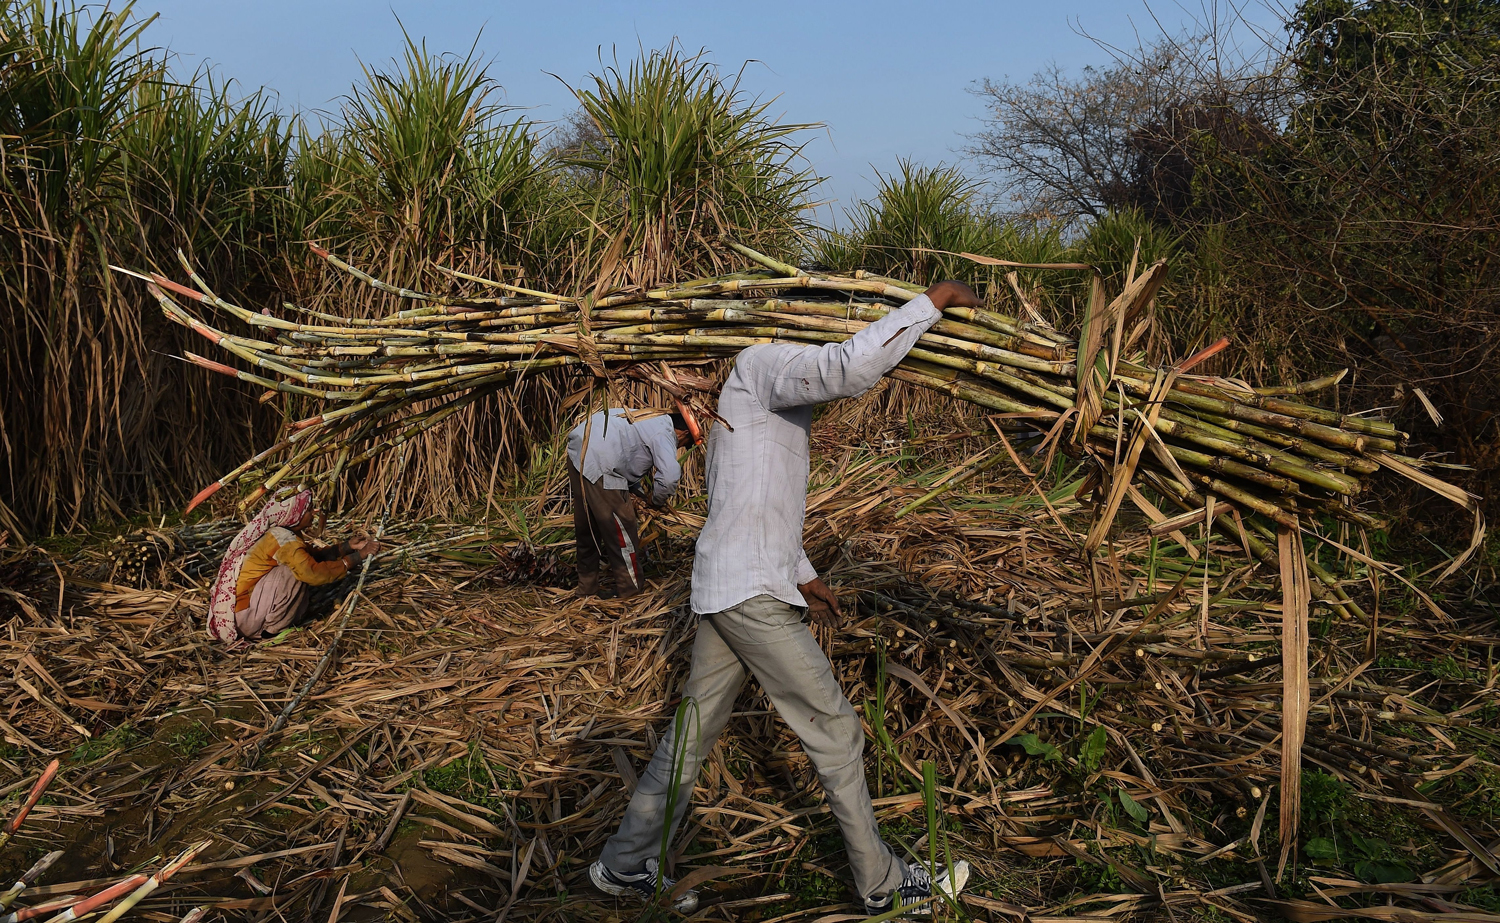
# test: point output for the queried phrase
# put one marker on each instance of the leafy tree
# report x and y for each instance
(1376, 209)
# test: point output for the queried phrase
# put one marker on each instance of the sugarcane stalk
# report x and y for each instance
(154, 882)
(38, 789)
(1231, 404)
(786, 269)
(45, 907)
(1214, 463)
(499, 285)
(88, 905)
(1306, 387)
(29, 877)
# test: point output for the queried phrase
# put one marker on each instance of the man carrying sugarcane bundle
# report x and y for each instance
(751, 580)
(609, 456)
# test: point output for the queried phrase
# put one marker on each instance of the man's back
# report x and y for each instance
(756, 481)
(620, 453)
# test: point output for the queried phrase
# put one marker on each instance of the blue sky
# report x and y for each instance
(887, 80)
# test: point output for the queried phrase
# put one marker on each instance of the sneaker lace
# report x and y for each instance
(657, 879)
(916, 881)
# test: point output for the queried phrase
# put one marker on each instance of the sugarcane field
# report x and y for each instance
(659, 463)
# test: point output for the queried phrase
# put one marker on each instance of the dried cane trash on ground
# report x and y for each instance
(1105, 744)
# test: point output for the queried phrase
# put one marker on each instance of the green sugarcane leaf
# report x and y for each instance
(1132, 807)
(1094, 748)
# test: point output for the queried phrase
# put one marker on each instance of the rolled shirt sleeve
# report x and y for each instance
(850, 368)
(308, 569)
(661, 438)
(806, 573)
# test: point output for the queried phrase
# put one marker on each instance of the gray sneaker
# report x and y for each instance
(916, 885)
(644, 885)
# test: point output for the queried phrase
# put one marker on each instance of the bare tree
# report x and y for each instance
(576, 137)
(1120, 135)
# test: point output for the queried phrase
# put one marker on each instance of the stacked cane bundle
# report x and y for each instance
(1217, 448)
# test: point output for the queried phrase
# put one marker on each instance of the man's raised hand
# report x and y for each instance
(952, 294)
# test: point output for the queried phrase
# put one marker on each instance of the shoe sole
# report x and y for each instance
(596, 876)
(959, 879)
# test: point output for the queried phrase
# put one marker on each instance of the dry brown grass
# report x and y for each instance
(468, 728)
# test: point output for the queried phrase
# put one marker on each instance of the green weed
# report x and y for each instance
(122, 737)
(1325, 799)
(1448, 668)
(188, 740)
(472, 778)
(1372, 859)
(1475, 793)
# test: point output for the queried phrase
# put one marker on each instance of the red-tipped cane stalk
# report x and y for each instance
(52, 906)
(154, 882)
(202, 495)
(177, 287)
(37, 790)
(1207, 352)
(211, 365)
(691, 420)
(81, 908)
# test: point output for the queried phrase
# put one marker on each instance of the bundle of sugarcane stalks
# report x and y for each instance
(1251, 461)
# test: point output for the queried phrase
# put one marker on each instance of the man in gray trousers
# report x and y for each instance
(751, 580)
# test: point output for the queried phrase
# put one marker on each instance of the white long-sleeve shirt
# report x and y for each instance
(756, 475)
(621, 453)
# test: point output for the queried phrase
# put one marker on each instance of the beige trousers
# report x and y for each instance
(766, 637)
(278, 601)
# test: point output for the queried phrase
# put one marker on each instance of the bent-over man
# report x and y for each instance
(608, 458)
(751, 580)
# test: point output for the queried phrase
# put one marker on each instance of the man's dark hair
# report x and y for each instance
(678, 422)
